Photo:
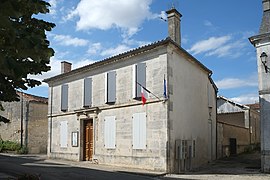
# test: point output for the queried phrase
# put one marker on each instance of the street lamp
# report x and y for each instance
(264, 61)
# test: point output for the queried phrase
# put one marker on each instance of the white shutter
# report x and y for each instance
(63, 133)
(109, 132)
(139, 131)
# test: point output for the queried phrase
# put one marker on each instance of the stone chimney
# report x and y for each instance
(265, 24)
(65, 67)
(174, 25)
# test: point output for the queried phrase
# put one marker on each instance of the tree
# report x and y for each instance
(24, 48)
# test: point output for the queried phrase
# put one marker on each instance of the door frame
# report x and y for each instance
(83, 123)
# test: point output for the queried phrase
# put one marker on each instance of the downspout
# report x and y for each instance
(26, 123)
(51, 103)
(169, 170)
(21, 119)
(249, 119)
(216, 130)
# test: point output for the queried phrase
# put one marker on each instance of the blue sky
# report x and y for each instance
(215, 32)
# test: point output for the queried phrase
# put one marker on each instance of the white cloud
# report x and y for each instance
(66, 40)
(115, 51)
(210, 44)
(56, 68)
(107, 14)
(246, 99)
(94, 48)
(227, 50)
(231, 83)
(53, 8)
(219, 46)
(207, 23)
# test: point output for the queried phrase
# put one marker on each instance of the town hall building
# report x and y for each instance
(96, 112)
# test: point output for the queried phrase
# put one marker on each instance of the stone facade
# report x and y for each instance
(239, 122)
(28, 122)
(174, 131)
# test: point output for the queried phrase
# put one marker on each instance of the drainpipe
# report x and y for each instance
(51, 96)
(21, 119)
(26, 123)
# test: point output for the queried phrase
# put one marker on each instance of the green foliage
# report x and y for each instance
(24, 48)
(9, 146)
(12, 146)
(23, 150)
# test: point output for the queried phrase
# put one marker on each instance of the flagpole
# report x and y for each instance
(148, 91)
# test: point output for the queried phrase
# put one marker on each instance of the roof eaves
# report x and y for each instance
(115, 58)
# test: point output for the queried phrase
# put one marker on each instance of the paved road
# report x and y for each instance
(16, 166)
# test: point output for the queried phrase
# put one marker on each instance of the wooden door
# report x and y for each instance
(88, 140)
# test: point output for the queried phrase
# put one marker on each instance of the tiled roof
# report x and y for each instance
(127, 54)
(34, 98)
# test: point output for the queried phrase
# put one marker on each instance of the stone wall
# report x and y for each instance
(33, 117)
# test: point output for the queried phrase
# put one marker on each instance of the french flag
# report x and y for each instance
(143, 96)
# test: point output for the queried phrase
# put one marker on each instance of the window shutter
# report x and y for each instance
(64, 97)
(140, 77)
(139, 131)
(109, 132)
(111, 87)
(63, 133)
(87, 92)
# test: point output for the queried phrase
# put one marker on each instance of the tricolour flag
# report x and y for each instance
(143, 96)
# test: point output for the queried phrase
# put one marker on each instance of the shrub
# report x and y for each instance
(23, 150)
(12, 146)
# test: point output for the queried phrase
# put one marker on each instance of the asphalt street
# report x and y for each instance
(17, 166)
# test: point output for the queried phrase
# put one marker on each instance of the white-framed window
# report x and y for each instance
(109, 132)
(139, 131)
(63, 134)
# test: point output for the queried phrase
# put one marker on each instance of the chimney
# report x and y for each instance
(174, 25)
(65, 67)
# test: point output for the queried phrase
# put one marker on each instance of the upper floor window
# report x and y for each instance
(64, 97)
(139, 76)
(110, 87)
(87, 92)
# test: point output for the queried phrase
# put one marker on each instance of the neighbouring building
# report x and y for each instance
(28, 122)
(262, 44)
(238, 127)
(96, 113)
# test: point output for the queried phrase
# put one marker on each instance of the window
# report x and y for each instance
(139, 131)
(64, 97)
(139, 75)
(110, 87)
(87, 92)
(63, 134)
(109, 132)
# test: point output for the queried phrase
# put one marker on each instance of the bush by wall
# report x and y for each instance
(12, 146)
